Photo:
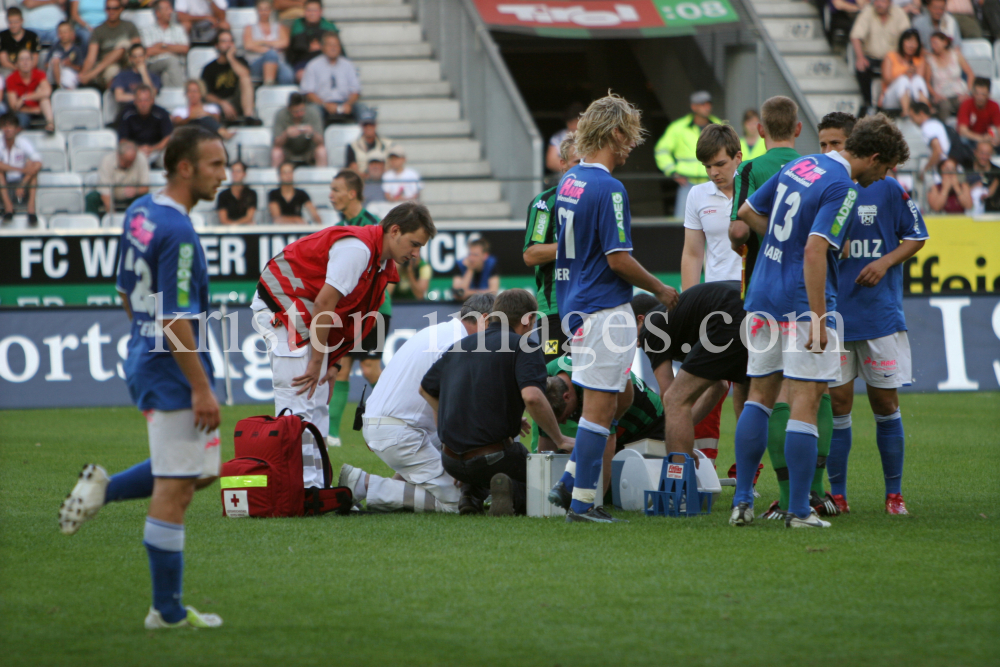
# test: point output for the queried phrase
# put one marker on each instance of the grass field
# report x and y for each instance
(447, 590)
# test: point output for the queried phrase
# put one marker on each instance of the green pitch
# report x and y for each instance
(445, 590)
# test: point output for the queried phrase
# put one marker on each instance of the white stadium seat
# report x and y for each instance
(142, 18)
(270, 100)
(110, 107)
(240, 18)
(328, 217)
(316, 182)
(113, 220)
(87, 149)
(52, 148)
(252, 145)
(77, 109)
(996, 57)
(197, 58)
(171, 98)
(336, 139)
(262, 181)
(979, 54)
(59, 193)
(74, 221)
(381, 208)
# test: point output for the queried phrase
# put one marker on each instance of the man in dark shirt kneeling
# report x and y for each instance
(480, 389)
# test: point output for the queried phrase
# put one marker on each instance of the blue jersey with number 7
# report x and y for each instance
(813, 195)
(160, 258)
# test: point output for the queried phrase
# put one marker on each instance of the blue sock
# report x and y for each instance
(165, 545)
(591, 440)
(840, 449)
(801, 449)
(136, 482)
(569, 477)
(889, 438)
(751, 443)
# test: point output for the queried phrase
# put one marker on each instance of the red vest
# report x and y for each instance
(295, 276)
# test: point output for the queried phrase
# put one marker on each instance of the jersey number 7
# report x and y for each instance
(566, 221)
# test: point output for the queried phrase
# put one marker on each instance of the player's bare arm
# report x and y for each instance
(180, 337)
(633, 273)
(874, 272)
(322, 318)
(752, 219)
(814, 272)
(739, 234)
(540, 253)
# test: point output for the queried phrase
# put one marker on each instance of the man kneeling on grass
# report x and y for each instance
(479, 399)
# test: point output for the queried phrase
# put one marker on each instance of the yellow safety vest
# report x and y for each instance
(675, 151)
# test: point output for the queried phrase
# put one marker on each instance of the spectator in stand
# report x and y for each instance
(904, 75)
(238, 204)
(478, 273)
(166, 45)
(66, 58)
(227, 82)
(936, 19)
(838, 17)
(414, 280)
(29, 93)
(43, 17)
(146, 125)
(264, 45)
(373, 191)
(289, 10)
(286, 202)
(128, 80)
(571, 117)
(399, 182)
(979, 116)
(86, 15)
(307, 37)
(360, 150)
(202, 19)
(751, 119)
(911, 7)
(331, 81)
(107, 53)
(986, 189)
(197, 111)
(122, 178)
(944, 144)
(951, 192)
(948, 89)
(19, 167)
(875, 33)
(964, 13)
(298, 134)
(15, 39)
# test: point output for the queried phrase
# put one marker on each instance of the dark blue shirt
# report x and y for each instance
(145, 130)
(480, 279)
(129, 80)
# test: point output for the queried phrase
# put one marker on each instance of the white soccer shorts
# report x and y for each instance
(178, 449)
(783, 350)
(603, 348)
(882, 362)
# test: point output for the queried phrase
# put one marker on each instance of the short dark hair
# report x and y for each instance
(242, 164)
(515, 304)
(642, 303)
(982, 82)
(295, 99)
(878, 135)
(482, 242)
(215, 42)
(409, 217)
(750, 113)
(185, 144)
(9, 118)
(838, 120)
(143, 88)
(70, 23)
(573, 111)
(779, 116)
(157, 3)
(714, 138)
(315, 2)
(920, 107)
(135, 46)
(353, 181)
(477, 304)
(330, 33)
(555, 387)
(14, 11)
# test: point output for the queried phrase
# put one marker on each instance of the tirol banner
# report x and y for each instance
(607, 18)
(70, 357)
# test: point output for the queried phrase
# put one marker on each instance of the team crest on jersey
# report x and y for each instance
(140, 230)
(867, 214)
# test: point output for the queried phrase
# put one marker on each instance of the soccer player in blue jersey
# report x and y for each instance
(803, 212)
(888, 231)
(595, 272)
(163, 282)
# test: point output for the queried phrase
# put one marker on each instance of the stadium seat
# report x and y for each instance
(252, 145)
(238, 19)
(59, 193)
(381, 208)
(74, 221)
(316, 182)
(113, 220)
(77, 109)
(328, 217)
(171, 98)
(262, 181)
(157, 178)
(87, 149)
(142, 18)
(197, 58)
(336, 139)
(271, 99)
(52, 148)
(110, 107)
(979, 54)
(996, 57)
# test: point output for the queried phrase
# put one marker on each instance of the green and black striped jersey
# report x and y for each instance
(542, 228)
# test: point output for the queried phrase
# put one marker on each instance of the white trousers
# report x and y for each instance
(915, 86)
(411, 452)
(315, 410)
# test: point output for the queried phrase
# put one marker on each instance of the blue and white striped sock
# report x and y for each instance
(591, 440)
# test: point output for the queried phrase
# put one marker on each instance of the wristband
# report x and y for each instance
(614, 423)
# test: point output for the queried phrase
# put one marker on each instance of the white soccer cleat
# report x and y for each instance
(195, 619)
(349, 476)
(812, 521)
(742, 515)
(85, 500)
(332, 442)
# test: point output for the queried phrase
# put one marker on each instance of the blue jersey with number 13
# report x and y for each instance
(813, 195)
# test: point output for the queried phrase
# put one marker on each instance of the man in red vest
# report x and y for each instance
(322, 293)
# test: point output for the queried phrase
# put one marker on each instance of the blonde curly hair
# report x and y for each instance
(598, 124)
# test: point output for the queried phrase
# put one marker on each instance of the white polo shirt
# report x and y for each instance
(708, 210)
(397, 393)
(17, 156)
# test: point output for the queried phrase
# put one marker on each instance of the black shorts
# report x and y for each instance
(557, 343)
(369, 344)
(730, 364)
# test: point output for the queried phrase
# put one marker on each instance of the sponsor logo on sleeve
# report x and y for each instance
(844, 213)
(541, 224)
(619, 205)
(185, 260)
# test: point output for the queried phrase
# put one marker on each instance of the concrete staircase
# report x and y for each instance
(823, 76)
(416, 107)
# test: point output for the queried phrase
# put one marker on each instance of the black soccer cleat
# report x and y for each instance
(593, 515)
(774, 512)
(560, 496)
(824, 505)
